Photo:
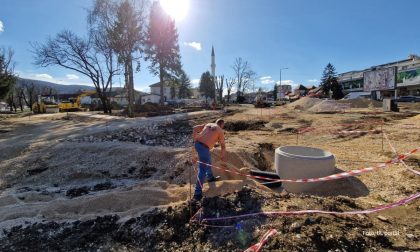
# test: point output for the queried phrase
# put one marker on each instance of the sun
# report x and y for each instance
(177, 9)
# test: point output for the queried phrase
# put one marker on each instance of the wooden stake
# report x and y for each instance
(190, 193)
(382, 130)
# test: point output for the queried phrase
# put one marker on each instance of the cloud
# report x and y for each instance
(72, 77)
(195, 45)
(266, 80)
(288, 82)
(43, 76)
(195, 82)
(313, 81)
(60, 80)
(1, 26)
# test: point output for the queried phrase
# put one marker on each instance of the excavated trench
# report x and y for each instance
(264, 157)
(170, 228)
(244, 125)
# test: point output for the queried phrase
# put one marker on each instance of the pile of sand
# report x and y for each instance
(304, 103)
(319, 105)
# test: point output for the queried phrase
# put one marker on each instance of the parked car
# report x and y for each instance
(408, 98)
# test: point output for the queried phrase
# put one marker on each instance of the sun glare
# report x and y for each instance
(177, 9)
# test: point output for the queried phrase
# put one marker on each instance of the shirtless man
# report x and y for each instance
(205, 136)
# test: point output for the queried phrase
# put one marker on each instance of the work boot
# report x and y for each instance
(214, 179)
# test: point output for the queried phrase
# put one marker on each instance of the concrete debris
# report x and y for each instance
(176, 134)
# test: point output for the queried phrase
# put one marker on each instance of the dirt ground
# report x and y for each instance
(88, 182)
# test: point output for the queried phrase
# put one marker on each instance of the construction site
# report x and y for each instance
(84, 181)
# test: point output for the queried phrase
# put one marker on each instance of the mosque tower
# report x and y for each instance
(213, 63)
(213, 70)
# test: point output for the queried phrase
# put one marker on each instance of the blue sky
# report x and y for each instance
(303, 35)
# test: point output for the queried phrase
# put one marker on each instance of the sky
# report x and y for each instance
(300, 35)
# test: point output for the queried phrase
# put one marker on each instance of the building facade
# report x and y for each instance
(407, 78)
(283, 90)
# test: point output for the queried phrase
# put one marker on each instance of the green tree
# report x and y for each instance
(275, 92)
(329, 82)
(337, 90)
(162, 49)
(7, 77)
(184, 86)
(207, 85)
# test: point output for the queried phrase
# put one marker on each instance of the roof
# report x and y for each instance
(315, 90)
(150, 94)
(302, 87)
(212, 51)
(157, 84)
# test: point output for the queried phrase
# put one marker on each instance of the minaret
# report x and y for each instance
(213, 71)
(213, 63)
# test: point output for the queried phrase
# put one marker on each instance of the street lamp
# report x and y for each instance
(281, 91)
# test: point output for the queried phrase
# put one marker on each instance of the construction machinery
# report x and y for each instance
(74, 104)
(45, 104)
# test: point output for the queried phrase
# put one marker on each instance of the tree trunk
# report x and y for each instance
(105, 103)
(20, 103)
(131, 80)
(128, 87)
(161, 84)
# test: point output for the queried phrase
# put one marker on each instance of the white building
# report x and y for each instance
(407, 77)
(283, 90)
(121, 99)
(154, 96)
(3, 106)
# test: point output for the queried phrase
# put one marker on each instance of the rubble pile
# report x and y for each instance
(172, 133)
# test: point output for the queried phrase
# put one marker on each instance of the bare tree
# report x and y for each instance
(30, 93)
(248, 81)
(229, 85)
(219, 86)
(89, 57)
(20, 96)
(7, 77)
(11, 100)
(243, 74)
(123, 24)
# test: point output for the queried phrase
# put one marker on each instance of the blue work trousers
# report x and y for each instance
(203, 170)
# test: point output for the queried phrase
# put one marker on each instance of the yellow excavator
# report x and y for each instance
(74, 104)
(45, 104)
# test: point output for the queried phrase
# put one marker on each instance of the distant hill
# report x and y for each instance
(61, 89)
(64, 89)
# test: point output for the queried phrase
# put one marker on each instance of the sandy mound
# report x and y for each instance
(319, 105)
(304, 103)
